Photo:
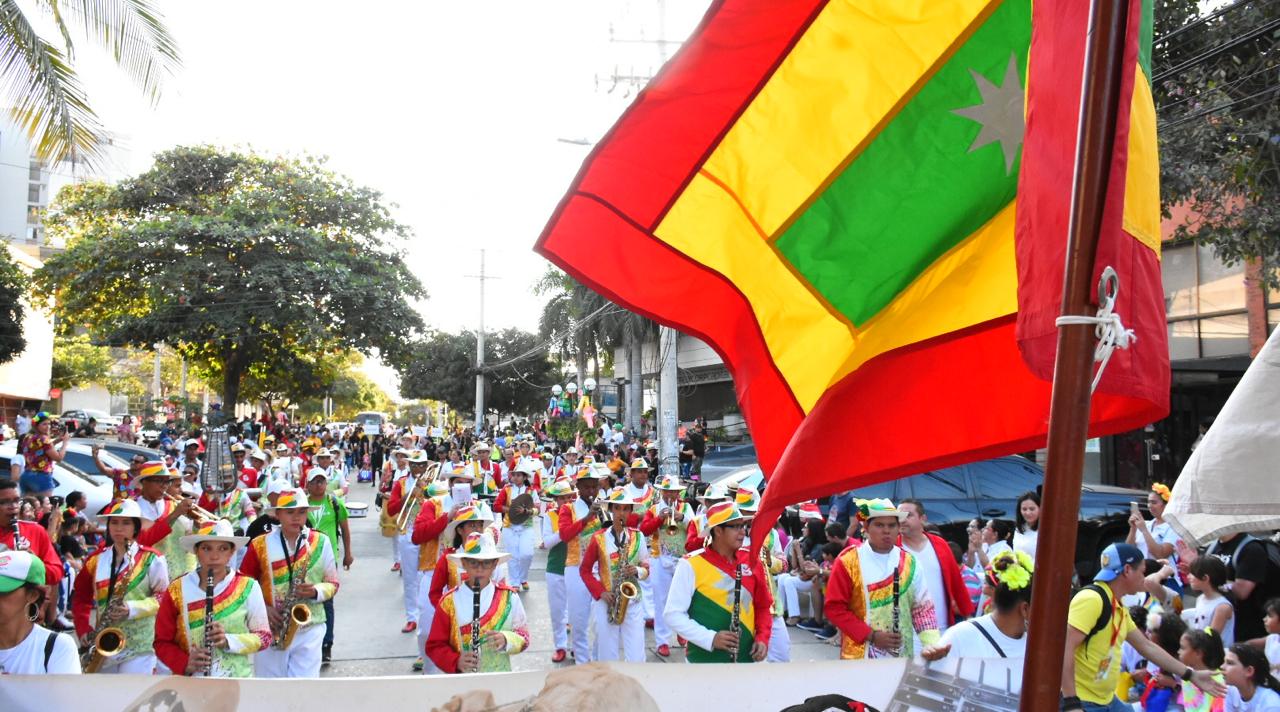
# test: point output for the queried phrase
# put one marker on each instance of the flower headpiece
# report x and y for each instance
(1162, 490)
(1012, 569)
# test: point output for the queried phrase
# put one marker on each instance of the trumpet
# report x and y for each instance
(197, 513)
(672, 525)
(415, 499)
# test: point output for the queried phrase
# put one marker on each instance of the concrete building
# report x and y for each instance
(706, 388)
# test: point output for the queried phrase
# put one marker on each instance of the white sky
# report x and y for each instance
(451, 109)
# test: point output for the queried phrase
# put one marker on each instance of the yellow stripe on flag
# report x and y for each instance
(1142, 177)
(858, 63)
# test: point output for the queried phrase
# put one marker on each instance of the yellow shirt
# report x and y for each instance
(1098, 660)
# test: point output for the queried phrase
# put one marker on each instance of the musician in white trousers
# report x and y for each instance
(774, 561)
(517, 539)
(308, 574)
(617, 556)
(428, 528)
(560, 493)
(405, 493)
(665, 524)
(578, 522)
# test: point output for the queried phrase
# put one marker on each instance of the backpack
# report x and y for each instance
(1103, 618)
(1269, 545)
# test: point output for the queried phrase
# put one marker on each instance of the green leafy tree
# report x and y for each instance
(517, 375)
(77, 362)
(1216, 82)
(237, 261)
(13, 305)
(39, 76)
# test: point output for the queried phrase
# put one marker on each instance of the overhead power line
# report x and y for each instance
(1207, 18)
(1230, 44)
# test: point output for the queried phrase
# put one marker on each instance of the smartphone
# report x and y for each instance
(1134, 509)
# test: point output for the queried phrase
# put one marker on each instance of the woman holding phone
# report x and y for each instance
(1155, 538)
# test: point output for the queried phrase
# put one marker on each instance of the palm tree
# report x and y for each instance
(571, 319)
(39, 77)
(631, 331)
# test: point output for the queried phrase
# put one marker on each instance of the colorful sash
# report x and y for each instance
(712, 607)
(495, 618)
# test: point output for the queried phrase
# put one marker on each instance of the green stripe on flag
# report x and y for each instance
(924, 183)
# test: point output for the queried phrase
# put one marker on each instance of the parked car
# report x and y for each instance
(989, 490)
(720, 460)
(81, 416)
(124, 451)
(66, 479)
(80, 456)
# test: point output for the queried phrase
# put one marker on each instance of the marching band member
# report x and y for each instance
(230, 503)
(329, 517)
(334, 475)
(644, 495)
(164, 521)
(227, 618)
(697, 533)
(119, 585)
(774, 561)
(561, 493)
(486, 474)
(428, 534)
(543, 477)
(617, 556)
(579, 520)
(730, 591)
(285, 466)
(480, 624)
(571, 466)
(246, 473)
(517, 539)
(471, 519)
(405, 491)
(294, 565)
(860, 597)
(396, 467)
(27, 648)
(666, 525)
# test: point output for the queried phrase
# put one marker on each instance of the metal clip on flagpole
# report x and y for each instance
(1110, 330)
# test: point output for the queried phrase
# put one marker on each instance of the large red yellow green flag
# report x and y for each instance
(844, 200)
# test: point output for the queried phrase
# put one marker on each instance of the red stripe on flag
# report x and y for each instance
(950, 401)
(662, 284)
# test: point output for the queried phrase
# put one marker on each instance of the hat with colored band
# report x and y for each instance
(478, 512)
(237, 447)
(278, 486)
(323, 452)
(481, 447)
(292, 498)
(619, 495)
(593, 473)
(479, 546)
(151, 468)
(526, 467)
(18, 568)
(546, 456)
(418, 457)
(748, 500)
(258, 455)
(724, 513)
(437, 488)
(639, 464)
(872, 508)
(282, 448)
(401, 451)
(121, 508)
(715, 491)
(458, 472)
(1114, 558)
(560, 488)
(810, 510)
(219, 530)
(669, 483)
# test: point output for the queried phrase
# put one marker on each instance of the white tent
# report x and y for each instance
(1232, 481)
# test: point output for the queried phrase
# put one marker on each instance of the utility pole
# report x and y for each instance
(668, 401)
(480, 348)
(155, 374)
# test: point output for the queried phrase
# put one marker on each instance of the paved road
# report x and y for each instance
(370, 612)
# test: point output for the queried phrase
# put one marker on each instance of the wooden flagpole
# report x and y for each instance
(1073, 369)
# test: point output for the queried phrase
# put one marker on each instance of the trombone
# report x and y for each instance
(419, 495)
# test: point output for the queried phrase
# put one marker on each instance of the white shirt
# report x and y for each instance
(1264, 700)
(27, 658)
(24, 427)
(931, 573)
(1163, 534)
(967, 641)
(1201, 616)
(878, 567)
(1026, 541)
(1273, 653)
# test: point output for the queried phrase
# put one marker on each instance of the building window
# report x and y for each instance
(37, 169)
(33, 214)
(33, 193)
(1204, 302)
(1221, 288)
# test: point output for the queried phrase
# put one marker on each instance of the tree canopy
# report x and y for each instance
(442, 368)
(1216, 76)
(13, 306)
(242, 263)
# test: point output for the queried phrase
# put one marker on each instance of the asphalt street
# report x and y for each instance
(370, 612)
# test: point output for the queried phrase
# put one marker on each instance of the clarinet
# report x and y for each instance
(896, 612)
(735, 622)
(208, 619)
(475, 622)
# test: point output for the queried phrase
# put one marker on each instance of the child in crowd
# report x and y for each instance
(1208, 575)
(1201, 649)
(1250, 685)
(1165, 630)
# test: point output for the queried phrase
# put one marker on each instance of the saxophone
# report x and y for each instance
(108, 641)
(624, 590)
(296, 613)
